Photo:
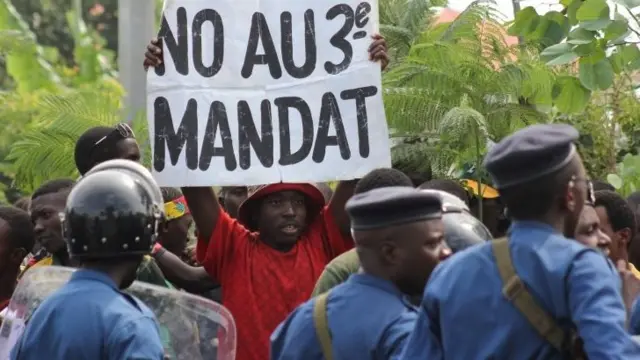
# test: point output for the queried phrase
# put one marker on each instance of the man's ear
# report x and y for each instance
(625, 236)
(569, 197)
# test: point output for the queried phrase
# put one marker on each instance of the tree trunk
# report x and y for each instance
(516, 9)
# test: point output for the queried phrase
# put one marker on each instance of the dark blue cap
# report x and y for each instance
(531, 153)
(389, 206)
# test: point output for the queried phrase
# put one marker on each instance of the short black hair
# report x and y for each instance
(83, 152)
(453, 187)
(170, 193)
(383, 177)
(634, 201)
(52, 187)
(602, 185)
(533, 199)
(618, 210)
(21, 231)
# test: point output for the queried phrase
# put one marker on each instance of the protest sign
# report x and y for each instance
(262, 92)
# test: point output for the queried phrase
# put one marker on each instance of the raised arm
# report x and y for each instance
(193, 279)
(343, 193)
(205, 209)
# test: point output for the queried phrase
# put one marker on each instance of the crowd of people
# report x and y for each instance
(389, 266)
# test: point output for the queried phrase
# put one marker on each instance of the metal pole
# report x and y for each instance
(136, 27)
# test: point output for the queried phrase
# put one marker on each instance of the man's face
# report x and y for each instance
(174, 236)
(128, 149)
(619, 239)
(576, 197)
(232, 198)
(589, 233)
(45, 212)
(282, 217)
(420, 247)
(10, 256)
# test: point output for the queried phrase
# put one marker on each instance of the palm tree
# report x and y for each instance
(47, 152)
(465, 65)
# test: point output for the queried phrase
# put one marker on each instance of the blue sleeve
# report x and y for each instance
(295, 338)
(634, 321)
(597, 309)
(395, 336)
(138, 339)
(425, 341)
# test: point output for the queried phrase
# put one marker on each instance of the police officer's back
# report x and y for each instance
(398, 233)
(465, 311)
(110, 222)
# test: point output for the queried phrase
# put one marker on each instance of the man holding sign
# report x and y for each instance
(305, 71)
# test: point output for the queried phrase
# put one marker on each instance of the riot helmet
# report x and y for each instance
(461, 229)
(111, 213)
(134, 168)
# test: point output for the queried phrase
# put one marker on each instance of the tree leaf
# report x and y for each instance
(563, 59)
(552, 29)
(579, 36)
(615, 181)
(569, 95)
(595, 25)
(585, 49)
(617, 29)
(593, 10)
(598, 76)
(625, 58)
(558, 54)
(526, 22)
(572, 11)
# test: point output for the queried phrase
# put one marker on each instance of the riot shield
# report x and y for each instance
(191, 327)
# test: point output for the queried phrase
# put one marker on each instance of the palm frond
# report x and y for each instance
(47, 151)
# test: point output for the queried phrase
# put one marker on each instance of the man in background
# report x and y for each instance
(102, 143)
(16, 240)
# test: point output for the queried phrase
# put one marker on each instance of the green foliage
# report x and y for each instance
(25, 62)
(626, 179)
(48, 151)
(590, 36)
(48, 20)
(468, 65)
(38, 113)
(402, 21)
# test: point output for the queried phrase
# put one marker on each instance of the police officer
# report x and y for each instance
(110, 222)
(399, 238)
(461, 230)
(521, 297)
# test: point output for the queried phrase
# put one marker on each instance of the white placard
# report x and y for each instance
(255, 92)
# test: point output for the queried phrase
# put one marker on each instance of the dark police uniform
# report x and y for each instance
(109, 215)
(464, 314)
(366, 317)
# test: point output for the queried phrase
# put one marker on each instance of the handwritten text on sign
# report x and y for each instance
(261, 92)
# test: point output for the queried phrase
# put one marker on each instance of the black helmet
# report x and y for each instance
(461, 229)
(111, 213)
(134, 168)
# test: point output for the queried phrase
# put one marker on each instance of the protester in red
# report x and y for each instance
(269, 259)
(16, 240)
(268, 266)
